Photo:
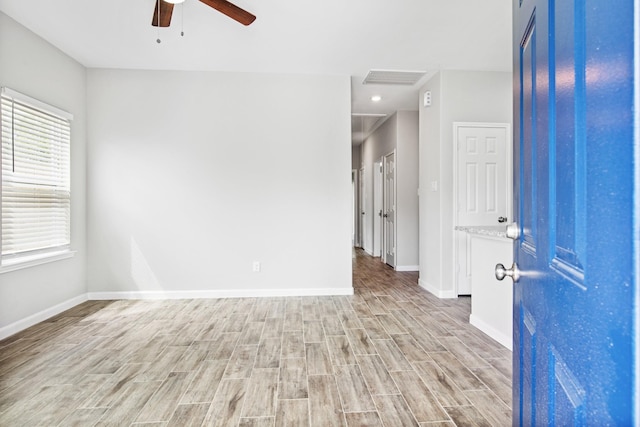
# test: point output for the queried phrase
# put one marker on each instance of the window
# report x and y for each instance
(36, 196)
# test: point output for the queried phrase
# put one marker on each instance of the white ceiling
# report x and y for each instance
(346, 37)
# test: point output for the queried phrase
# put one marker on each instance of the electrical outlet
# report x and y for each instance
(256, 266)
(426, 100)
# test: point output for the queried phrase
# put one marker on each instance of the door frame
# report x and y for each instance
(454, 201)
(395, 204)
(361, 206)
(356, 207)
(377, 207)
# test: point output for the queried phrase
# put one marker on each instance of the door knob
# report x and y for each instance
(385, 215)
(513, 231)
(502, 219)
(502, 272)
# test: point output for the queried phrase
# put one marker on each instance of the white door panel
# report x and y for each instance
(389, 211)
(361, 221)
(482, 179)
(482, 186)
(377, 208)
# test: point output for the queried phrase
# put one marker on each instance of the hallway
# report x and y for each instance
(466, 372)
(391, 355)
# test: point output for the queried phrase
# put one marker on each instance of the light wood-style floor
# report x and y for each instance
(391, 355)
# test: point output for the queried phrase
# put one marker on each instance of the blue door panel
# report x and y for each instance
(529, 351)
(576, 202)
(562, 134)
(569, 397)
(611, 115)
(528, 138)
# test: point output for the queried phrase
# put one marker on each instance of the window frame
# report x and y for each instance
(29, 258)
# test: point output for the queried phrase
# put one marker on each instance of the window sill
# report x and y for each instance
(33, 260)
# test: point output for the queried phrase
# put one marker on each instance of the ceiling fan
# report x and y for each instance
(164, 10)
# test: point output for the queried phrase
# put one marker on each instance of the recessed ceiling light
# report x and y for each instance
(376, 98)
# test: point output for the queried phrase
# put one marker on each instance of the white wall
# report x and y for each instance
(32, 66)
(429, 201)
(457, 96)
(380, 143)
(399, 132)
(355, 157)
(195, 175)
(407, 192)
(355, 166)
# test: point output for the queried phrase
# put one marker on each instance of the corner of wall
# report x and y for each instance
(456, 95)
(33, 66)
(430, 239)
(436, 290)
(24, 323)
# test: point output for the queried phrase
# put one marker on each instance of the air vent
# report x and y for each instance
(393, 77)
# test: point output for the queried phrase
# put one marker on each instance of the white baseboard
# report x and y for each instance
(407, 268)
(236, 293)
(442, 294)
(41, 316)
(501, 337)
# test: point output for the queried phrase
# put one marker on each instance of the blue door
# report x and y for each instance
(577, 202)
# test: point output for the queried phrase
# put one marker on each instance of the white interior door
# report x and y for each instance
(361, 215)
(377, 208)
(354, 207)
(483, 186)
(389, 209)
(482, 174)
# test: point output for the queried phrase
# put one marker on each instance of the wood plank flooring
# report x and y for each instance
(391, 355)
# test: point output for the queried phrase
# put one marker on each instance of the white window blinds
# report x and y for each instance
(36, 198)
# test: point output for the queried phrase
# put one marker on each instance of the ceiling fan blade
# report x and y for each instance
(231, 10)
(162, 14)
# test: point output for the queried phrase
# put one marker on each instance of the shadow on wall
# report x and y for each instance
(141, 273)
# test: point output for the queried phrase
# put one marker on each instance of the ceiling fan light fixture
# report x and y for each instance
(164, 10)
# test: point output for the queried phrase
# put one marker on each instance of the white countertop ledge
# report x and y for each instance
(484, 230)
